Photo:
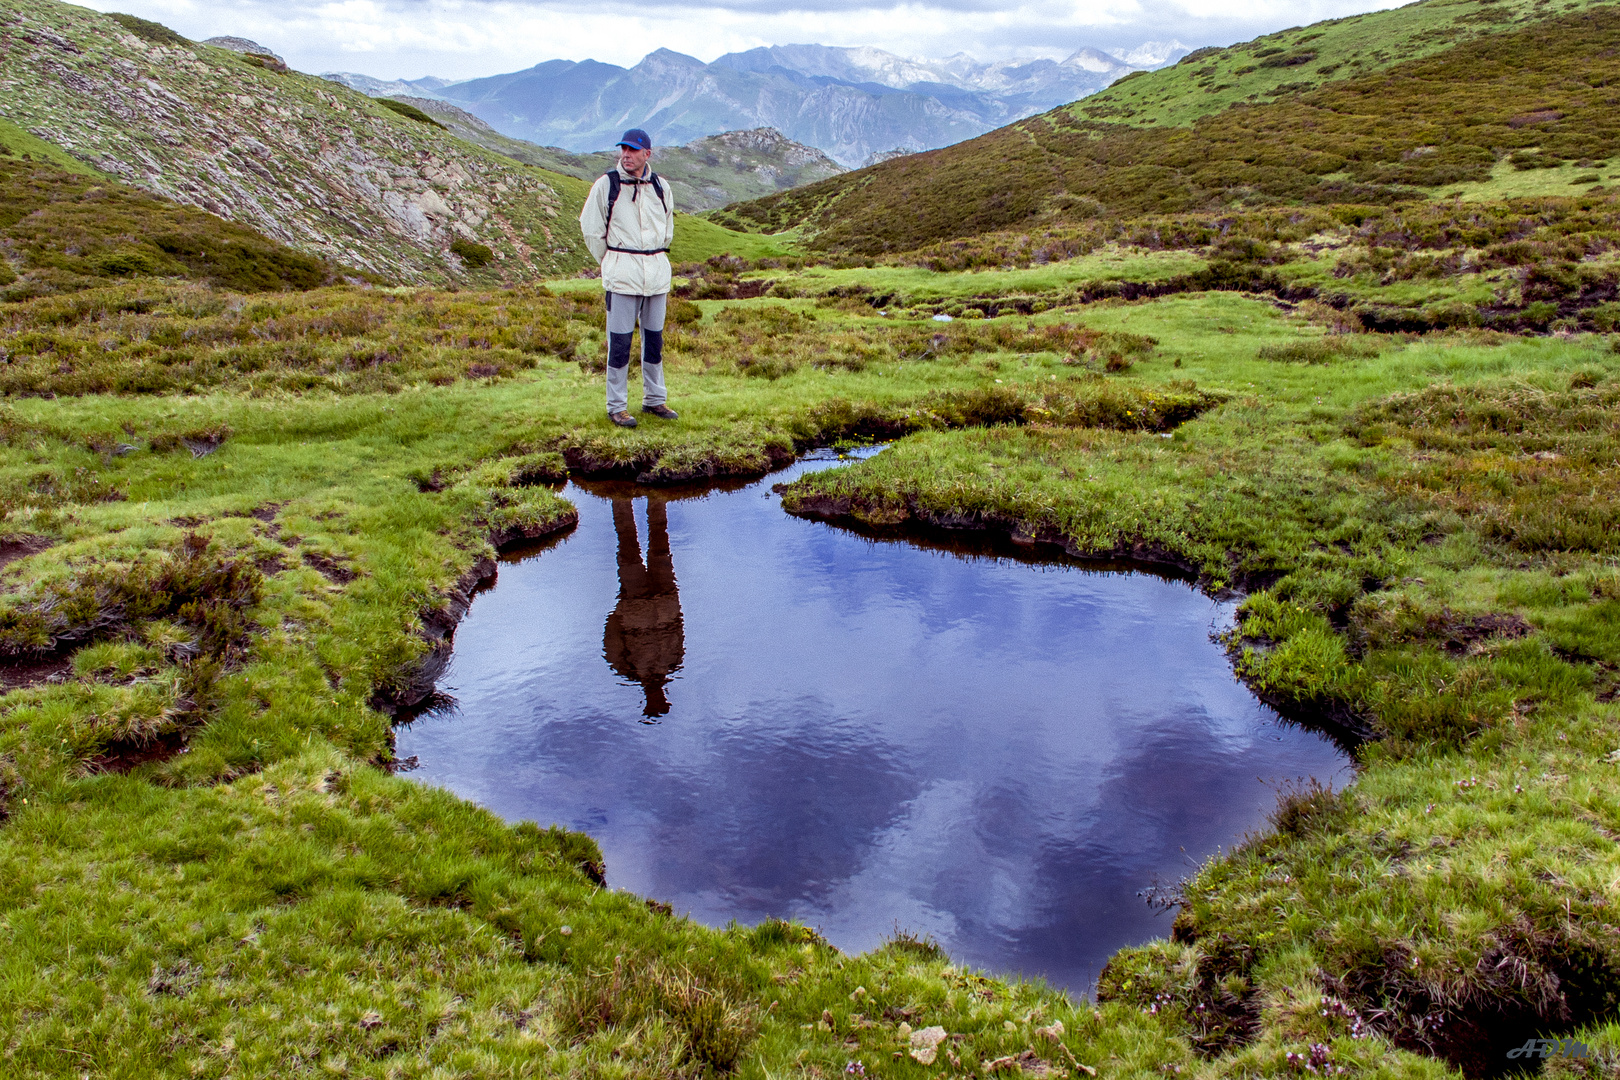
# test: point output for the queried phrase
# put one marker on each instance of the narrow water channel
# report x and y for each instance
(758, 715)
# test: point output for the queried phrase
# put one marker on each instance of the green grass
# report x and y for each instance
(17, 141)
(697, 239)
(1416, 566)
(1516, 264)
(923, 285)
(1507, 182)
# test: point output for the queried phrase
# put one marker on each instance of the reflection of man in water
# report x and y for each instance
(644, 640)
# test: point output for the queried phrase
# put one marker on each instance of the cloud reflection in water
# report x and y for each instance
(864, 733)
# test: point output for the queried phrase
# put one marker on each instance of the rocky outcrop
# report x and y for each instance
(244, 46)
(304, 161)
(885, 155)
(770, 155)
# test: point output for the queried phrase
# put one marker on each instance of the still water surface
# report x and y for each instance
(758, 715)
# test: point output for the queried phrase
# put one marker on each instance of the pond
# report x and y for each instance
(757, 715)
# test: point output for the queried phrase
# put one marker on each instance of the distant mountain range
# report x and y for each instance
(708, 172)
(851, 103)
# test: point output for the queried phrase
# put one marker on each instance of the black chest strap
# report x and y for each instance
(615, 184)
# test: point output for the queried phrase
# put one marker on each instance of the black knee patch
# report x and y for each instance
(652, 346)
(619, 350)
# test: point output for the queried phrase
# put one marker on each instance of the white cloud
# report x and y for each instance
(467, 38)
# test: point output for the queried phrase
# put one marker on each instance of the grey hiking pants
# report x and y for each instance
(623, 312)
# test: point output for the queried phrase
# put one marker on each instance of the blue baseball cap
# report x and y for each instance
(636, 139)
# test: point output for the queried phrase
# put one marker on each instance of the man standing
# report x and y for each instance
(629, 223)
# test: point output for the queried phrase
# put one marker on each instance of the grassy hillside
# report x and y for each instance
(306, 162)
(30, 147)
(63, 231)
(1537, 94)
(697, 239)
(1287, 62)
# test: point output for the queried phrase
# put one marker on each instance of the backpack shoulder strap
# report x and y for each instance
(613, 197)
(658, 186)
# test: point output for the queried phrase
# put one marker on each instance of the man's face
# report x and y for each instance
(634, 161)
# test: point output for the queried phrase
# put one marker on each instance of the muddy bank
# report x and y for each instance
(1529, 985)
(125, 755)
(13, 548)
(22, 672)
(1110, 406)
(201, 589)
(902, 518)
(657, 465)
(1543, 307)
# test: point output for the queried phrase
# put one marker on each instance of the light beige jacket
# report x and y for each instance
(641, 222)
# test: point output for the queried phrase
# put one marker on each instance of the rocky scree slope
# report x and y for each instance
(312, 165)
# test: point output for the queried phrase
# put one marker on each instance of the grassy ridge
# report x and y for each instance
(697, 239)
(1542, 93)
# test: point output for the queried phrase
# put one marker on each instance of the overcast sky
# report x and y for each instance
(467, 38)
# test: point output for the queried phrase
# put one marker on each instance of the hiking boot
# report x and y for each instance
(623, 419)
(663, 412)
